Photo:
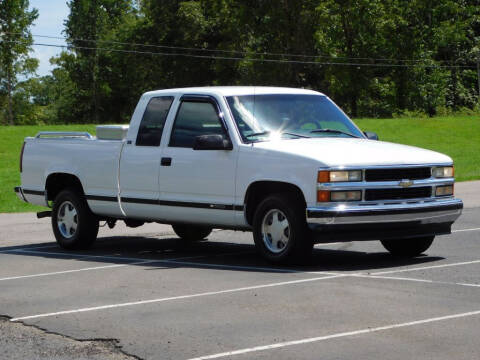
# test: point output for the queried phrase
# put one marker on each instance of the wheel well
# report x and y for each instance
(259, 190)
(60, 181)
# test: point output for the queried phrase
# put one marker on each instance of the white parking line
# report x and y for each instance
(396, 278)
(75, 270)
(179, 262)
(334, 336)
(73, 255)
(425, 267)
(144, 261)
(460, 230)
(105, 257)
(415, 280)
(143, 302)
(332, 243)
(252, 268)
(465, 284)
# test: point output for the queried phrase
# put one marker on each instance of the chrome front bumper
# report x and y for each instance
(422, 213)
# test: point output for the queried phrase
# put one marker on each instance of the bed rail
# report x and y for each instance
(64, 134)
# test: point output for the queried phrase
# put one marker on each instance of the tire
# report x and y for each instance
(74, 225)
(408, 247)
(192, 233)
(280, 230)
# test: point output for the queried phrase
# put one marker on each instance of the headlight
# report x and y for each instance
(346, 195)
(339, 176)
(444, 190)
(443, 172)
(337, 196)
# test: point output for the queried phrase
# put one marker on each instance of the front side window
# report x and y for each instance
(153, 121)
(263, 117)
(195, 118)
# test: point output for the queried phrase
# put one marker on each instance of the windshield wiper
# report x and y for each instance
(294, 134)
(282, 133)
(334, 131)
(258, 134)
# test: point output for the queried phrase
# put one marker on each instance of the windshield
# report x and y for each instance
(265, 117)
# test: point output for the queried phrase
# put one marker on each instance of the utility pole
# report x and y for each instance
(95, 61)
(9, 71)
(478, 76)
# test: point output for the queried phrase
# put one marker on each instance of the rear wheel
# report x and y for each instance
(280, 230)
(408, 247)
(73, 224)
(192, 232)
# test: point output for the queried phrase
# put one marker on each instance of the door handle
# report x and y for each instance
(166, 161)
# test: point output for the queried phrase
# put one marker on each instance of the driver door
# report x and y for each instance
(197, 186)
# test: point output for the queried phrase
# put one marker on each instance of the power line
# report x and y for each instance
(220, 50)
(246, 53)
(281, 61)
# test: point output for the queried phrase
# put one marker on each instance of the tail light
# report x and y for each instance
(21, 157)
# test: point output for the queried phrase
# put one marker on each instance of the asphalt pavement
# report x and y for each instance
(141, 293)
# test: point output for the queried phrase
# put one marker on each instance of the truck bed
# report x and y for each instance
(94, 161)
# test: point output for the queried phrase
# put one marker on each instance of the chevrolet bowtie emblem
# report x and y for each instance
(405, 183)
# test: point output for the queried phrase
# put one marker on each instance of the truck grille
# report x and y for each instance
(397, 194)
(413, 173)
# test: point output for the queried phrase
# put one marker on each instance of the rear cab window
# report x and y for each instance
(153, 121)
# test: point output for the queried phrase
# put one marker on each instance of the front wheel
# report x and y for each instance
(408, 247)
(74, 225)
(280, 230)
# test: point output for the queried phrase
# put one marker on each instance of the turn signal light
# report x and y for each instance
(323, 176)
(323, 196)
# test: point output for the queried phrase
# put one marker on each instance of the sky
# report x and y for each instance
(51, 15)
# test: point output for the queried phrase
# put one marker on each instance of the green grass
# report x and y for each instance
(458, 137)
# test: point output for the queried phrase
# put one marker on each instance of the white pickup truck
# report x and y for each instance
(286, 164)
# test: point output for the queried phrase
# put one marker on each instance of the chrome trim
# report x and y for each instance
(365, 167)
(360, 185)
(396, 184)
(430, 212)
(71, 134)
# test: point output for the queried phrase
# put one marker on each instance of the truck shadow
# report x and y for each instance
(171, 252)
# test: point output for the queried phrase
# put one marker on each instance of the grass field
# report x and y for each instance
(458, 136)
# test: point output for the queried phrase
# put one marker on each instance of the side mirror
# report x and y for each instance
(371, 135)
(212, 142)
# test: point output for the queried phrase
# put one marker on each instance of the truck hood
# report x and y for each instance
(337, 152)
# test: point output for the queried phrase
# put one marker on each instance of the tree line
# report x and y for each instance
(375, 58)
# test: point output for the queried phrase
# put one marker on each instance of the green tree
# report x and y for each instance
(90, 22)
(386, 56)
(353, 32)
(15, 44)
